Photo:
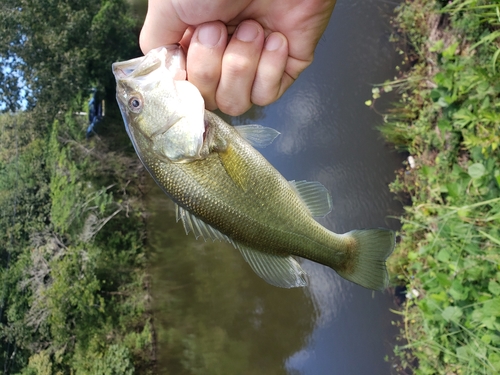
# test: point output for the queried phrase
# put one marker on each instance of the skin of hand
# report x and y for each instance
(239, 52)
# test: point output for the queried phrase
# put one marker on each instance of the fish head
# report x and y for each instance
(161, 110)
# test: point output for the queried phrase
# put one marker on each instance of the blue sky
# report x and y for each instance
(24, 89)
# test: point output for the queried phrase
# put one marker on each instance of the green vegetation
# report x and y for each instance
(74, 286)
(448, 120)
(74, 292)
(51, 50)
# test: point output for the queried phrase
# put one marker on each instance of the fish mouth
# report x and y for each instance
(134, 73)
(170, 56)
(125, 69)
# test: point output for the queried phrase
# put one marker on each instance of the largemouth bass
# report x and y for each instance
(225, 189)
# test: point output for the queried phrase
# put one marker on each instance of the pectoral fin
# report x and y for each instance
(236, 167)
(257, 135)
(278, 270)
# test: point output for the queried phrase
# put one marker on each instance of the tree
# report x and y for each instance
(57, 293)
(50, 50)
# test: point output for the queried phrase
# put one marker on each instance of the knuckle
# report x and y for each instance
(263, 100)
(237, 65)
(266, 89)
(204, 76)
(233, 108)
(264, 94)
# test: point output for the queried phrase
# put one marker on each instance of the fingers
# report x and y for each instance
(167, 20)
(271, 81)
(253, 70)
(232, 76)
(204, 59)
(239, 68)
(162, 26)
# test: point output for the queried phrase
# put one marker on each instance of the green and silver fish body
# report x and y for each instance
(225, 189)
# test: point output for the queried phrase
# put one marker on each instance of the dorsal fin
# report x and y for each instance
(315, 196)
(278, 270)
(257, 135)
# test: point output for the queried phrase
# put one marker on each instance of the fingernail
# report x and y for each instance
(247, 32)
(209, 35)
(273, 42)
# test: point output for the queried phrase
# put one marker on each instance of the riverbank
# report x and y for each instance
(448, 120)
(75, 289)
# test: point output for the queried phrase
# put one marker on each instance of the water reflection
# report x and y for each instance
(213, 314)
(304, 122)
(326, 293)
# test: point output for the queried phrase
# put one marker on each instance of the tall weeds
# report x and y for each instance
(448, 120)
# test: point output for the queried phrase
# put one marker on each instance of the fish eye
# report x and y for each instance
(135, 104)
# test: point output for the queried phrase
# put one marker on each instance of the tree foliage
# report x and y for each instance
(52, 49)
(72, 265)
(73, 262)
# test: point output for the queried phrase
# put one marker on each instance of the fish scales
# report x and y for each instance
(227, 190)
(278, 222)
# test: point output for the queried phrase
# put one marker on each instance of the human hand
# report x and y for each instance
(273, 42)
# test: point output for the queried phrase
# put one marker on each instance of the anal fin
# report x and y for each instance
(279, 270)
(199, 227)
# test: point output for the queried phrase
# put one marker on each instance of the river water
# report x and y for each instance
(212, 314)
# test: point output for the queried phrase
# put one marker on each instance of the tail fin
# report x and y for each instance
(373, 247)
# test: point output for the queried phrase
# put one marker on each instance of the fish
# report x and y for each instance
(224, 189)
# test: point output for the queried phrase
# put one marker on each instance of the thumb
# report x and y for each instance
(162, 26)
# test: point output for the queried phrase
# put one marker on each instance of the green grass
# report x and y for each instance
(448, 120)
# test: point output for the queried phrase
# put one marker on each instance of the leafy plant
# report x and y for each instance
(449, 122)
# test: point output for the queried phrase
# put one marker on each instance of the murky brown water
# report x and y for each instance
(213, 315)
